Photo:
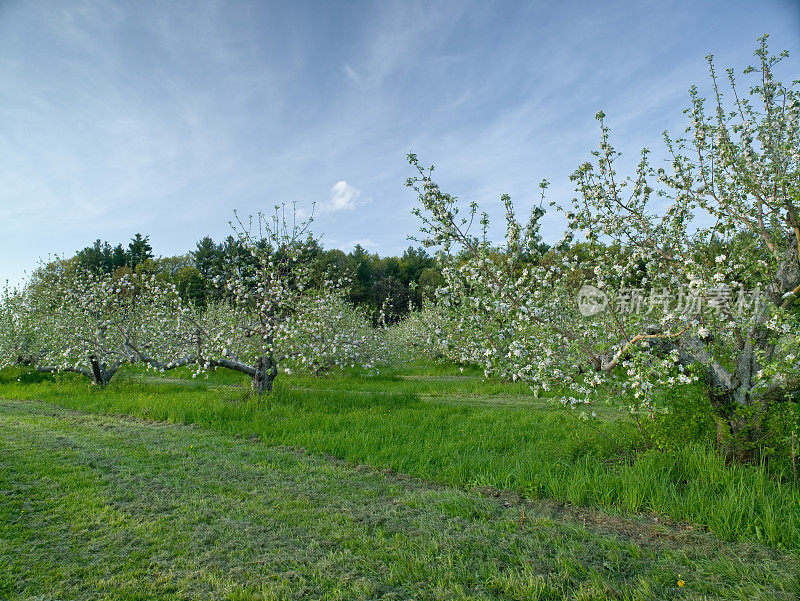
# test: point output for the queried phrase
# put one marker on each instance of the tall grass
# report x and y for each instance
(409, 426)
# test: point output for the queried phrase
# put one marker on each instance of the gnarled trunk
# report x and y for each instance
(262, 372)
(98, 371)
(101, 374)
(265, 372)
(739, 422)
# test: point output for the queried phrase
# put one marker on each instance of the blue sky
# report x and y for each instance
(164, 117)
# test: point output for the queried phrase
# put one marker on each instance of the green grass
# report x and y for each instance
(463, 432)
(104, 507)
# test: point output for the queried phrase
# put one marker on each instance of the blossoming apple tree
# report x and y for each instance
(17, 345)
(696, 261)
(91, 323)
(330, 333)
(267, 320)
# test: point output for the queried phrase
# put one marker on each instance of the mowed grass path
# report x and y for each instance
(102, 507)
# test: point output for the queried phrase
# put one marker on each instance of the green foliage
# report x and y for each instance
(772, 440)
(690, 417)
(101, 257)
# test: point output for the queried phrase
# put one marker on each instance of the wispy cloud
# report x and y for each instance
(351, 73)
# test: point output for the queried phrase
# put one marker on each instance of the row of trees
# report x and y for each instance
(273, 314)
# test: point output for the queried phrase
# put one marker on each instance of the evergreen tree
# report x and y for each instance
(139, 250)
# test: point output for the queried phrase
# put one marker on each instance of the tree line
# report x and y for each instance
(385, 287)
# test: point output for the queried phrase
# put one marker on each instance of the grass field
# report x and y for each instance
(100, 507)
(602, 519)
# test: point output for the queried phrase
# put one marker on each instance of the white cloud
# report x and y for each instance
(343, 198)
(351, 73)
